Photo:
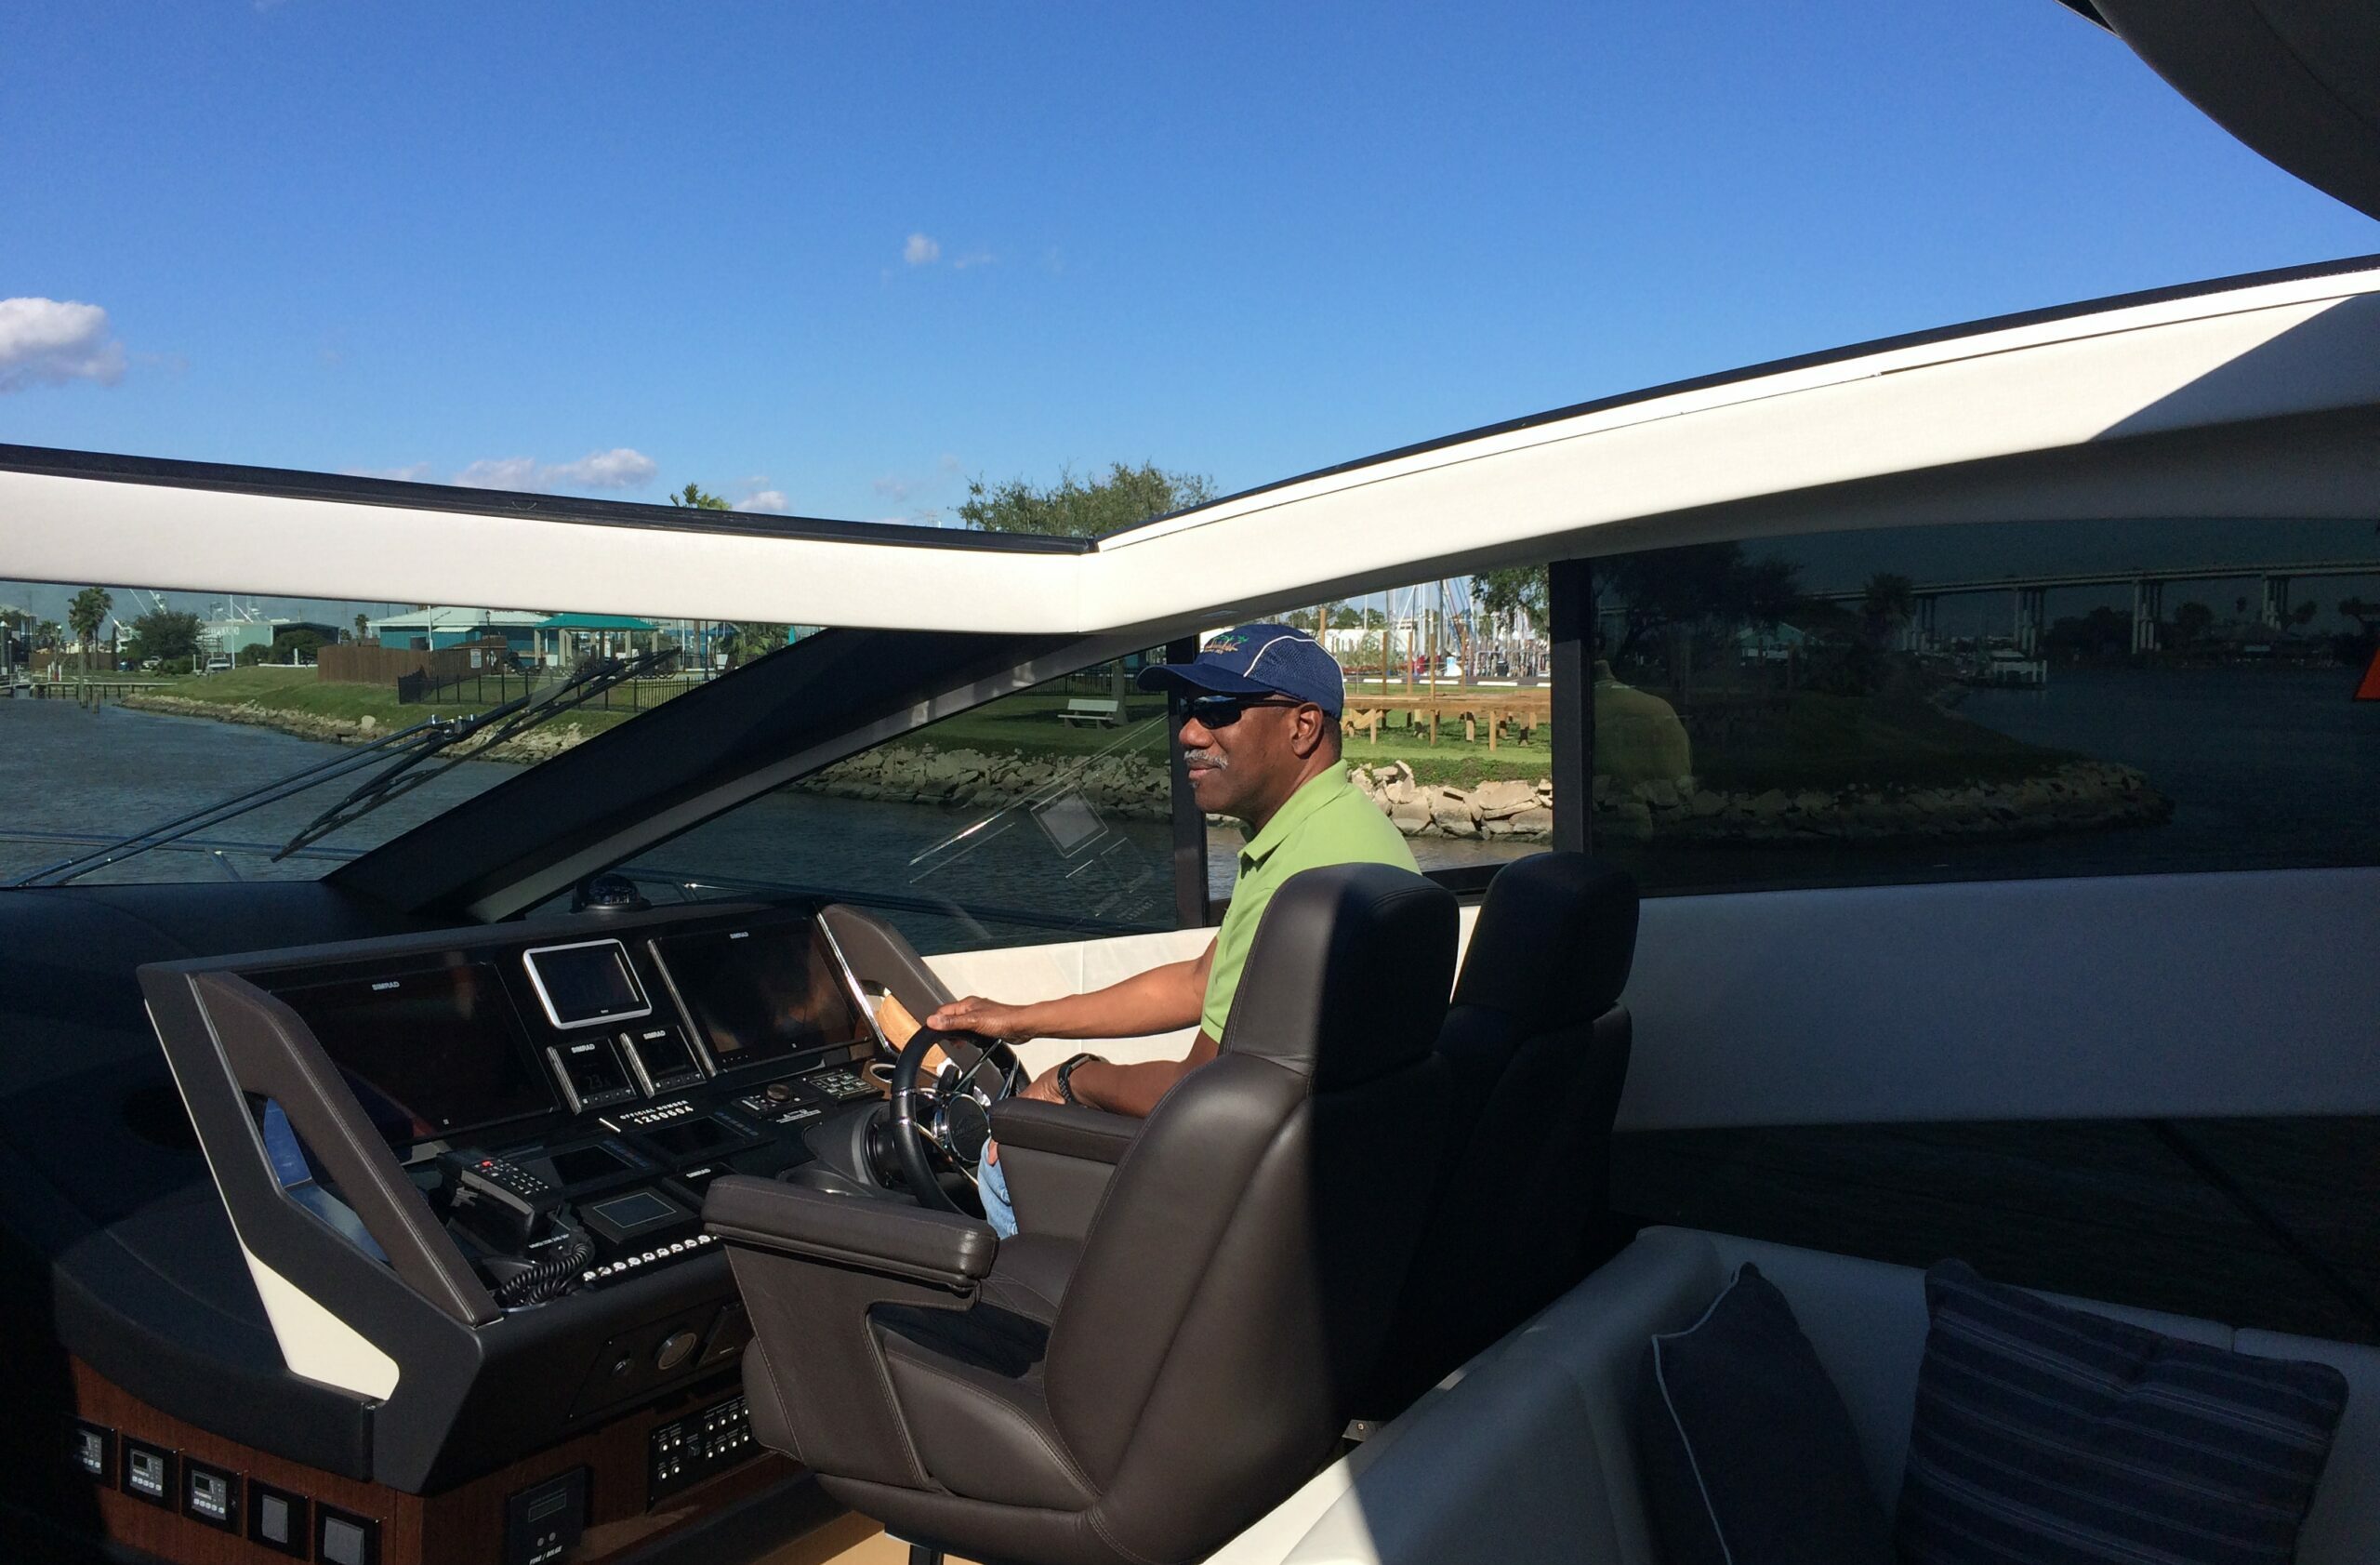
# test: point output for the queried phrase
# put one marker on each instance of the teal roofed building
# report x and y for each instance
(566, 638)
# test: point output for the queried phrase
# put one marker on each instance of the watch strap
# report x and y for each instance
(1065, 1076)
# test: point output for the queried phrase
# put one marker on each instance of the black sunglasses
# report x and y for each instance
(1222, 711)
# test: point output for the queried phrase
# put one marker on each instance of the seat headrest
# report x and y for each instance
(1349, 975)
(1554, 941)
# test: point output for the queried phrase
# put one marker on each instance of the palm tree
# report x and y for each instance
(84, 613)
(1886, 603)
(743, 643)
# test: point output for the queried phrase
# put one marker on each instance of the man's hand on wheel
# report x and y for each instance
(989, 1017)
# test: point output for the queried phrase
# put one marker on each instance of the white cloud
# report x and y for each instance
(501, 473)
(412, 473)
(616, 469)
(620, 468)
(921, 251)
(770, 500)
(49, 342)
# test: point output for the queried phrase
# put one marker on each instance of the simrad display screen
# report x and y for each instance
(762, 993)
(631, 1212)
(665, 1052)
(595, 1068)
(585, 983)
(430, 1054)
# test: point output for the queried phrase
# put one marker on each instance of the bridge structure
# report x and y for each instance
(2148, 584)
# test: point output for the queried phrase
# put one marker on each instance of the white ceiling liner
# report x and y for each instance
(2223, 356)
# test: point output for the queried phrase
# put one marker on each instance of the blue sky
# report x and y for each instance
(836, 260)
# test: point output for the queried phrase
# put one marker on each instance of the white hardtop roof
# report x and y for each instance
(2246, 398)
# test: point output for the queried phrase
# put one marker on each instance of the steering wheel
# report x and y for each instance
(949, 1120)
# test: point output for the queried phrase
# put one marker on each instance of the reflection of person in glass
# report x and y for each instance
(792, 1006)
(1261, 742)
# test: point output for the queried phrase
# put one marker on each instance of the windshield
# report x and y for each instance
(275, 738)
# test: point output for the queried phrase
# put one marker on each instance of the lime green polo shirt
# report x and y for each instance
(1328, 820)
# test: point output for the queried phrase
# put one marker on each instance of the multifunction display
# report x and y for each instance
(761, 993)
(586, 982)
(432, 1054)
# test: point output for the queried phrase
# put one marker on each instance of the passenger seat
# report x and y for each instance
(1536, 1046)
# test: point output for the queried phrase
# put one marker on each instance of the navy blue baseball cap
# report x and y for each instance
(1257, 661)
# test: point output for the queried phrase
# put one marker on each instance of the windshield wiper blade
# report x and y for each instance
(166, 832)
(498, 724)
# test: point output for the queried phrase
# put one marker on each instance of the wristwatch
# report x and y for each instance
(1066, 1073)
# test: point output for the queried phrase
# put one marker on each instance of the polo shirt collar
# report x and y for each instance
(1315, 792)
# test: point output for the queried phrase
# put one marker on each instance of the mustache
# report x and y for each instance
(1212, 758)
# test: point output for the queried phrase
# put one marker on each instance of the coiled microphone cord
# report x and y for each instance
(548, 1278)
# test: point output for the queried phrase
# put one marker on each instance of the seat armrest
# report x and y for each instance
(1067, 1130)
(942, 1248)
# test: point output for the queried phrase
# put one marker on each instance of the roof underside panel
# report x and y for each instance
(2297, 80)
(2134, 409)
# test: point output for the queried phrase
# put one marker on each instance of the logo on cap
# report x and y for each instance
(1225, 642)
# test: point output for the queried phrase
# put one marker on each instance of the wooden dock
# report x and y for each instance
(87, 692)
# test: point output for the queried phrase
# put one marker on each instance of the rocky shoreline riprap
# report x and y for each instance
(537, 744)
(2077, 796)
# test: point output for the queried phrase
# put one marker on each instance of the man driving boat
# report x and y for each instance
(1261, 743)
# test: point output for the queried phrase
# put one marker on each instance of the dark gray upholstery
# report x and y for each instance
(1206, 1340)
(1536, 1046)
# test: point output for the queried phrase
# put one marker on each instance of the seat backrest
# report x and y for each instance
(1234, 1285)
(1535, 1045)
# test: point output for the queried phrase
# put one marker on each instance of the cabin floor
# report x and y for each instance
(2265, 1223)
(852, 1540)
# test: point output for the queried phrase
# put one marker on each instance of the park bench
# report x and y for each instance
(1099, 713)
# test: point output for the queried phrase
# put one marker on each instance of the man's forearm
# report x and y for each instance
(1157, 1001)
(1125, 1089)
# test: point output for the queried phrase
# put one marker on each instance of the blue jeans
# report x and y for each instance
(992, 1185)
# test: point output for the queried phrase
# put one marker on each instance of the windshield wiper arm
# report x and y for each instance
(497, 724)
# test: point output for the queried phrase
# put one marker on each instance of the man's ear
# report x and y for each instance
(1309, 723)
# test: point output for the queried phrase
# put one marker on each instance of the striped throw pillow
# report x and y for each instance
(2054, 1436)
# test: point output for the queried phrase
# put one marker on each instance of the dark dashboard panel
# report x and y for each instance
(485, 1150)
(114, 1243)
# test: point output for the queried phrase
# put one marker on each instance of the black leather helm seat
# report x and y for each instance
(1535, 1045)
(1145, 1400)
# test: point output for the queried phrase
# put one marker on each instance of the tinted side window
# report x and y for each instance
(1988, 701)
